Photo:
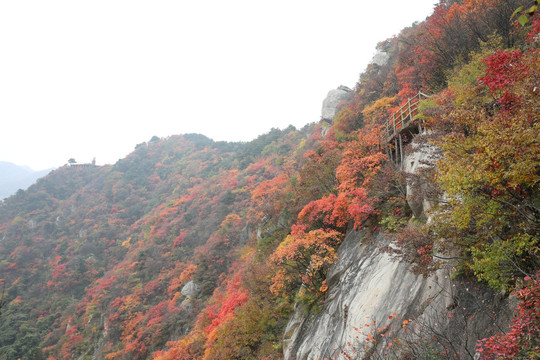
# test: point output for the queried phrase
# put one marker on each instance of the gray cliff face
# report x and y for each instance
(332, 100)
(367, 287)
(422, 156)
(371, 293)
(380, 58)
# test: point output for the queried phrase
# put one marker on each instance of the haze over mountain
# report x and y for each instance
(14, 177)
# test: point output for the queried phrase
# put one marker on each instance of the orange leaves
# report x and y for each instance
(330, 210)
(357, 174)
(231, 220)
(187, 274)
(268, 195)
(362, 159)
(379, 111)
(304, 258)
(360, 166)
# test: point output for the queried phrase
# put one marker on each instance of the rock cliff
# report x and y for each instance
(376, 308)
(374, 300)
(331, 103)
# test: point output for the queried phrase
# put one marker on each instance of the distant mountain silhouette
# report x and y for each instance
(14, 177)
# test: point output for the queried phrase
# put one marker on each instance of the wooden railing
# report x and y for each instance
(403, 117)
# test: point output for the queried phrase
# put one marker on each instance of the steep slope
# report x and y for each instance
(88, 252)
(192, 249)
(434, 284)
(377, 308)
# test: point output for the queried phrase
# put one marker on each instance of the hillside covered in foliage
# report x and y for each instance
(195, 249)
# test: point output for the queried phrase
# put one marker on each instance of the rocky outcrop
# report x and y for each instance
(370, 300)
(421, 156)
(331, 103)
(380, 58)
(191, 289)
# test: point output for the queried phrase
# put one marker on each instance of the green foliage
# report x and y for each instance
(100, 255)
(496, 263)
(393, 223)
(250, 333)
(525, 16)
(489, 171)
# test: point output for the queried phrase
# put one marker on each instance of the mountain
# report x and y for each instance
(403, 225)
(14, 177)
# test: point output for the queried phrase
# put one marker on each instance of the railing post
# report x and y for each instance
(410, 112)
(397, 149)
(401, 149)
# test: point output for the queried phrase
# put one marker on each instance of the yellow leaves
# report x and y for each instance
(127, 243)
(231, 220)
(304, 258)
(17, 300)
(379, 110)
(489, 170)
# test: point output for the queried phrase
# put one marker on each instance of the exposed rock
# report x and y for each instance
(380, 58)
(422, 156)
(267, 227)
(325, 129)
(260, 228)
(191, 289)
(366, 287)
(245, 234)
(332, 100)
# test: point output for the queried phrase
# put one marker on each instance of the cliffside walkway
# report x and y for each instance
(402, 120)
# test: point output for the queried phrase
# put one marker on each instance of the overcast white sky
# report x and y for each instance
(88, 79)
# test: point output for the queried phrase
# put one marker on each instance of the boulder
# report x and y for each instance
(380, 58)
(332, 100)
(191, 289)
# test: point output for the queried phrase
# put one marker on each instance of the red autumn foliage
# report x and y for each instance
(523, 339)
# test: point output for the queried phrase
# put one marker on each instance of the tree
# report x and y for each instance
(489, 172)
(304, 259)
(522, 341)
(2, 297)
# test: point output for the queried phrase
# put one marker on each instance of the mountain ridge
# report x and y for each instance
(14, 177)
(189, 248)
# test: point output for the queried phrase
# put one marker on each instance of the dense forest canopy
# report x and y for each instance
(195, 249)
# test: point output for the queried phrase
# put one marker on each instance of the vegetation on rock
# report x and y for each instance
(94, 261)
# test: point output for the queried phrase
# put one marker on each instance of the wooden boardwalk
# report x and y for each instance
(398, 122)
(402, 118)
